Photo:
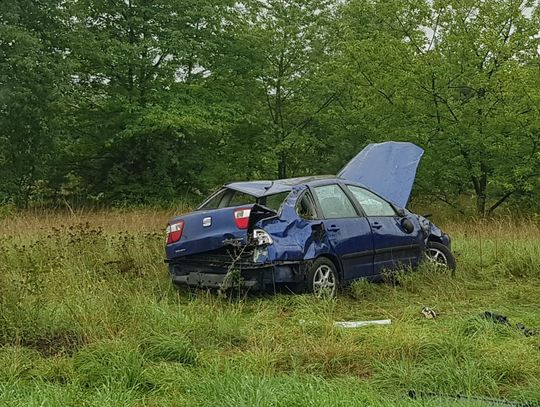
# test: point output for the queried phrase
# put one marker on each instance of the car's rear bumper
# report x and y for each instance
(209, 272)
(212, 280)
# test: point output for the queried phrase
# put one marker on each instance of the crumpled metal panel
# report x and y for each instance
(293, 237)
(265, 188)
(432, 230)
(388, 169)
(255, 188)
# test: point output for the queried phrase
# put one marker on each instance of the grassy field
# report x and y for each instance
(88, 317)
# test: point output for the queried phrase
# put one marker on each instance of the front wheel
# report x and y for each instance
(323, 278)
(440, 255)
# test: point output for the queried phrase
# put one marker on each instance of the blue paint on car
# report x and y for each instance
(272, 232)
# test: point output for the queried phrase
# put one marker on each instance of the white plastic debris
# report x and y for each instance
(358, 324)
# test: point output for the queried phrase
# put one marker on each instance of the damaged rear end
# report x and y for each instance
(225, 248)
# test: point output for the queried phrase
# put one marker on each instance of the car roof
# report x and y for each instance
(266, 188)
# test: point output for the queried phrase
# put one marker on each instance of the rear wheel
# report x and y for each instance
(323, 278)
(440, 255)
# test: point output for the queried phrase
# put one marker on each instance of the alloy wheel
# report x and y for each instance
(436, 256)
(324, 282)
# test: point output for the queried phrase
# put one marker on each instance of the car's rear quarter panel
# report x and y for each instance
(197, 238)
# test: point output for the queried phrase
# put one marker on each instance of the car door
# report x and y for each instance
(349, 233)
(394, 245)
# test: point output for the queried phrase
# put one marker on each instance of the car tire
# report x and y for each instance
(322, 278)
(440, 255)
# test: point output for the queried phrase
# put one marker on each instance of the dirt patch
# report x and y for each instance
(64, 343)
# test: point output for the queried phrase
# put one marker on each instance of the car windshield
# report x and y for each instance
(227, 198)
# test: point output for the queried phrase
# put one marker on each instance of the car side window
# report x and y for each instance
(305, 207)
(372, 204)
(215, 201)
(334, 202)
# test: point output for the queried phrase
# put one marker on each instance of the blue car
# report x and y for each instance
(315, 233)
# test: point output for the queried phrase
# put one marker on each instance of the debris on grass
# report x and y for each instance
(358, 324)
(428, 313)
(459, 398)
(503, 320)
(350, 324)
(493, 317)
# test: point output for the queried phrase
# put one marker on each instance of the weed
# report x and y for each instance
(88, 316)
(172, 347)
(110, 364)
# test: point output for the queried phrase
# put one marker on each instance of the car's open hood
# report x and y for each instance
(388, 169)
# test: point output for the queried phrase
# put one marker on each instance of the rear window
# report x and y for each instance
(239, 198)
(227, 198)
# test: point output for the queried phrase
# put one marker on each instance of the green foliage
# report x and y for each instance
(137, 102)
(33, 78)
(463, 88)
(110, 364)
(172, 347)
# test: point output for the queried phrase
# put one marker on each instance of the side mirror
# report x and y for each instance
(407, 225)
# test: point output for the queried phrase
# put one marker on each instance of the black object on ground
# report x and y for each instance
(464, 398)
(501, 319)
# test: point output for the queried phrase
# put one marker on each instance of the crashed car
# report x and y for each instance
(316, 233)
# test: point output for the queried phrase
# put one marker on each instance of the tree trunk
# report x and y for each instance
(480, 187)
(282, 167)
(481, 205)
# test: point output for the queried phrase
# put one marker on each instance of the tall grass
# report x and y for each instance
(88, 316)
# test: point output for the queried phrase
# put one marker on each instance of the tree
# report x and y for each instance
(481, 109)
(141, 131)
(290, 42)
(139, 101)
(33, 79)
(461, 88)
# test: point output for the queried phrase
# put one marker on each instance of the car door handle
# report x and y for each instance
(333, 228)
(376, 225)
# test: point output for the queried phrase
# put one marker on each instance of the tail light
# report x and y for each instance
(261, 237)
(241, 218)
(174, 231)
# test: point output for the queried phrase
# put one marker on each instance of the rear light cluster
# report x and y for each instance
(262, 238)
(241, 218)
(174, 231)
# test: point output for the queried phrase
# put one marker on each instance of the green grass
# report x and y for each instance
(88, 317)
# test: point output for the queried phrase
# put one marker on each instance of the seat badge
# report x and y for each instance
(206, 222)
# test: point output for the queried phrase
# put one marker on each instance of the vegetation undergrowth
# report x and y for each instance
(88, 316)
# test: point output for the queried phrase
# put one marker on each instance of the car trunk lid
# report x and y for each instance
(205, 231)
